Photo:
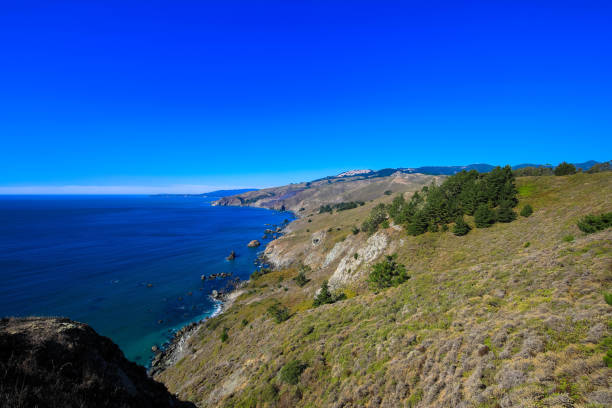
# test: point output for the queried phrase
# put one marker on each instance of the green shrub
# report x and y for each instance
(325, 208)
(355, 230)
(484, 217)
(526, 211)
(279, 313)
(599, 167)
(565, 169)
(244, 322)
(376, 217)
(388, 192)
(356, 255)
(568, 238)
(387, 273)
(461, 227)
(608, 298)
(290, 373)
(258, 273)
(224, 335)
(608, 358)
(268, 392)
(301, 279)
(593, 223)
(325, 296)
(527, 244)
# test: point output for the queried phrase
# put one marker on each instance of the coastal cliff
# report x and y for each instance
(304, 197)
(56, 362)
(506, 316)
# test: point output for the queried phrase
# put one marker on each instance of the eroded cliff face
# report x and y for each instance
(56, 362)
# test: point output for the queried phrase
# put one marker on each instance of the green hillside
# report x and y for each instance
(511, 315)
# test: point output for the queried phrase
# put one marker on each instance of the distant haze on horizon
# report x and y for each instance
(165, 97)
(281, 179)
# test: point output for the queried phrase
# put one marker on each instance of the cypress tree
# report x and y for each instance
(461, 227)
(484, 217)
(418, 224)
(324, 296)
(505, 212)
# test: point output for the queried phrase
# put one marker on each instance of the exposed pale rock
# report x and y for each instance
(253, 244)
(350, 269)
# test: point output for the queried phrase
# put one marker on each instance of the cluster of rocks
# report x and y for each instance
(254, 244)
(214, 276)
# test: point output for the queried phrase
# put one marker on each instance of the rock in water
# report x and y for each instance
(254, 244)
(56, 362)
(231, 256)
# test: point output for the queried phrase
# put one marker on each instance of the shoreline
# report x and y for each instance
(175, 349)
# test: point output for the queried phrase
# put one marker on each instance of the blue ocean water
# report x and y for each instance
(123, 263)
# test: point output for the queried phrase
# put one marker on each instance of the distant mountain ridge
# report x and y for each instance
(445, 170)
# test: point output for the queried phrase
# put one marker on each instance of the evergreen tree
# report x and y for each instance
(387, 273)
(484, 217)
(461, 227)
(324, 296)
(565, 169)
(526, 211)
(468, 198)
(418, 224)
(396, 209)
(505, 212)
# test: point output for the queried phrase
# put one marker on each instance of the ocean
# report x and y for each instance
(129, 266)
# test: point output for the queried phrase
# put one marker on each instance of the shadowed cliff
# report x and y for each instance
(56, 362)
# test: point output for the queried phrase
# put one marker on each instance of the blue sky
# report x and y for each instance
(189, 96)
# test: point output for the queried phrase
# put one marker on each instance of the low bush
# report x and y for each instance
(279, 313)
(593, 223)
(387, 273)
(325, 296)
(526, 211)
(290, 373)
(224, 335)
(376, 217)
(301, 279)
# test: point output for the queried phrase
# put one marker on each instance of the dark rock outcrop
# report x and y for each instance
(56, 362)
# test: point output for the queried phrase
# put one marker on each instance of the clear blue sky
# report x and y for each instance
(192, 95)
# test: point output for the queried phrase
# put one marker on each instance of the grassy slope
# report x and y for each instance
(484, 320)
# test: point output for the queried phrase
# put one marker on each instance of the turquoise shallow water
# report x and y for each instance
(123, 263)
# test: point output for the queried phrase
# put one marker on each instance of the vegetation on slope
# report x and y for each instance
(465, 193)
(484, 320)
